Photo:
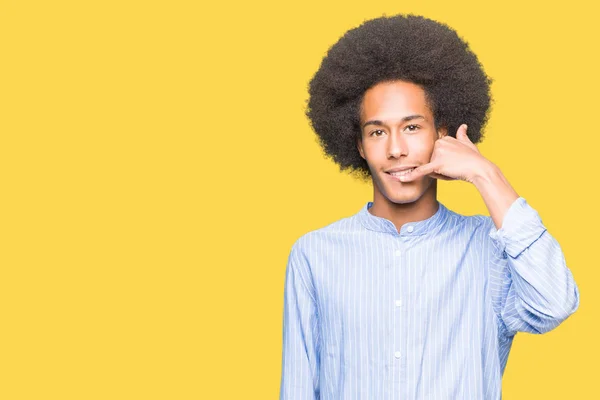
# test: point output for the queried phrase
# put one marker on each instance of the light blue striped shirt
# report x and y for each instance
(429, 312)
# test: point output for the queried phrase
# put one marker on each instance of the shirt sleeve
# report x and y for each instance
(300, 358)
(534, 289)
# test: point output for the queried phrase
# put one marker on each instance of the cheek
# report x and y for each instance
(373, 152)
(421, 150)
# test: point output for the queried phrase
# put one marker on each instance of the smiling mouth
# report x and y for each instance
(397, 174)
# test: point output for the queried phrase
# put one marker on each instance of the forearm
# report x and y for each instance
(543, 292)
(538, 289)
(496, 191)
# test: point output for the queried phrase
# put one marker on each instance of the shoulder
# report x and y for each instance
(473, 231)
(475, 222)
(318, 247)
(331, 232)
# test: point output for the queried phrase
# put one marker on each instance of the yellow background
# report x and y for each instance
(156, 167)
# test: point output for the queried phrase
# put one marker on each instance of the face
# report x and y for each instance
(398, 131)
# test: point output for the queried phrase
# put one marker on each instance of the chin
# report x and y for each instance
(403, 199)
(404, 193)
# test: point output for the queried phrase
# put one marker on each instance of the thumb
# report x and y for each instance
(462, 133)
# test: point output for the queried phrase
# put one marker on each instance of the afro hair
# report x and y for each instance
(401, 47)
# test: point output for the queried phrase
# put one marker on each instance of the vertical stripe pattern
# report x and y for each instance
(429, 312)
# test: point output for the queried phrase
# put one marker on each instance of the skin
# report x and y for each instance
(398, 130)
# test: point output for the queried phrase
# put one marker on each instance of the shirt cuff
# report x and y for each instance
(521, 227)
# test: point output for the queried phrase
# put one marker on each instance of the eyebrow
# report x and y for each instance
(407, 118)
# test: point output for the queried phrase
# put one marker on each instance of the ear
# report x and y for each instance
(360, 148)
(442, 131)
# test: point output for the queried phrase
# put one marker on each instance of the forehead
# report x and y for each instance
(394, 100)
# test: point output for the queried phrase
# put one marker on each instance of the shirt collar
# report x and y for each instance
(416, 228)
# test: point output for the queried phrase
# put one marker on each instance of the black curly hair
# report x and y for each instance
(401, 47)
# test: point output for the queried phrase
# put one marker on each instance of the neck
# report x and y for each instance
(401, 213)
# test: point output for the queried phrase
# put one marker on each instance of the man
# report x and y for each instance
(407, 299)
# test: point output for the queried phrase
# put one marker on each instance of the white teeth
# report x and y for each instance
(401, 172)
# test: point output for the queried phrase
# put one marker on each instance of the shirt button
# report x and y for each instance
(398, 303)
(397, 252)
(410, 229)
(397, 354)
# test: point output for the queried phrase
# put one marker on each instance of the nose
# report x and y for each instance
(397, 146)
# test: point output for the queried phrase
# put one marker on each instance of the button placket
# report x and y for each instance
(398, 323)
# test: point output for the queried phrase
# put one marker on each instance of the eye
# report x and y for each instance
(412, 128)
(376, 130)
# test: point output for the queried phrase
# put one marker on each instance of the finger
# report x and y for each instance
(461, 134)
(418, 172)
(442, 177)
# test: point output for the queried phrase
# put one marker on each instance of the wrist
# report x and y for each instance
(486, 173)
